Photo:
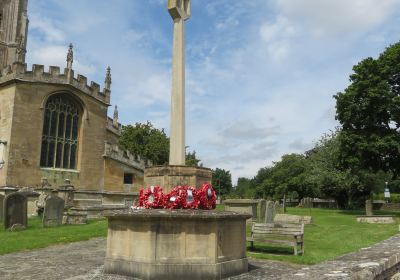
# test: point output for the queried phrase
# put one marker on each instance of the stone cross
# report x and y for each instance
(180, 12)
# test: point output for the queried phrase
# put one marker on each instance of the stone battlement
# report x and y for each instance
(19, 71)
(116, 153)
(111, 127)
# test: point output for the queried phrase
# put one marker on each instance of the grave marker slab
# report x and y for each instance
(270, 212)
(278, 208)
(292, 219)
(1, 207)
(368, 208)
(15, 211)
(262, 209)
(53, 211)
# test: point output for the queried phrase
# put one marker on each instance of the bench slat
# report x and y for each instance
(278, 233)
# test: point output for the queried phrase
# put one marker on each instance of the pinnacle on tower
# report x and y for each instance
(13, 31)
(108, 80)
(70, 56)
(115, 117)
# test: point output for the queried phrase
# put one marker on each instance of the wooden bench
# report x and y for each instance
(277, 233)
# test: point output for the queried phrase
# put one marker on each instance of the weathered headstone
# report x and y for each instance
(262, 208)
(269, 213)
(1, 207)
(53, 211)
(15, 211)
(307, 202)
(278, 208)
(368, 208)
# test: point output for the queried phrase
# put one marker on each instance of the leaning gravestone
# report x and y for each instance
(53, 211)
(15, 211)
(269, 213)
(1, 207)
(368, 208)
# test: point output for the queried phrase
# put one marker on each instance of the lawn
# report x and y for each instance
(333, 233)
(38, 237)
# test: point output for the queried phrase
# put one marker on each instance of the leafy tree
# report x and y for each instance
(288, 175)
(147, 141)
(369, 111)
(191, 159)
(244, 188)
(222, 181)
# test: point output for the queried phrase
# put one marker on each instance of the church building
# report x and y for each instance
(54, 126)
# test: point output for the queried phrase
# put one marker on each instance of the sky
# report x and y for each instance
(260, 74)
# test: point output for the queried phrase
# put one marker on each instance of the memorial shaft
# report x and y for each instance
(177, 141)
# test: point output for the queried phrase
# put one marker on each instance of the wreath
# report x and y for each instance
(180, 197)
(207, 197)
(153, 197)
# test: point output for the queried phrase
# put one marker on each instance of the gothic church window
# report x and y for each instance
(60, 133)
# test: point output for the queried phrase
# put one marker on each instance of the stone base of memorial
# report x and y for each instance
(176, 244)
(375, 219)
(169, 176)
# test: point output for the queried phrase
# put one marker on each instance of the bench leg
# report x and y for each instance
(252, 244)
(295, 250)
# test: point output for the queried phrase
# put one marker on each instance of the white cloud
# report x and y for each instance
(338, 17)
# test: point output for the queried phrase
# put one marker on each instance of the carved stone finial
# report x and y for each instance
(179, 9)
(70, 56)
(115, 117)
(108, 80)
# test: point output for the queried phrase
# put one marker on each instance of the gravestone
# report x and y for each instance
(53, 211)
(263, 208)
(307, 202)
(1, 207)
(278, 208)
(368, 208)
(269, 213)
(15, 211)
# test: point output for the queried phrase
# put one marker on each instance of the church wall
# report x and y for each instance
(6, 113)
(114, 177)
(27, 133)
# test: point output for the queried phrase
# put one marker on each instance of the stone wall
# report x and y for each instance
(7, 94)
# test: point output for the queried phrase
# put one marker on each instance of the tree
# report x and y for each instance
(191, 159)
(146, 141)
(222, 181)
(288, 175)
(369, 111)
(244, 188)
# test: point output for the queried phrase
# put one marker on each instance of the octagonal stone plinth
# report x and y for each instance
(170, 176)
(176, 244)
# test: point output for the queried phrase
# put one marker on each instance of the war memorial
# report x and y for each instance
(108, 214)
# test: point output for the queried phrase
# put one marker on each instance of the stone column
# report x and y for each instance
(180, 12)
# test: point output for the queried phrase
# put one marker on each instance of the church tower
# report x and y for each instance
(13, 31)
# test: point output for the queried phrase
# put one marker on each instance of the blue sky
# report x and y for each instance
(260, 74)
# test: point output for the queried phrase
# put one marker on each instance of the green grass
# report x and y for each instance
(35, 236)
(333, 233)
